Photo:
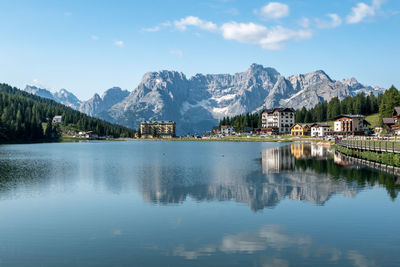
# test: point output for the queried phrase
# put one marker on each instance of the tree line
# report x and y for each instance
(252, 120)
(328, 110)
(22, 116)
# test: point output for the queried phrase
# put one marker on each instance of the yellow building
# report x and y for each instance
(155, 129)
(301, 129)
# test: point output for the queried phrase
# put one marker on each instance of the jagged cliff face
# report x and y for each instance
(63, 96)
(101, 104)
(198, 103)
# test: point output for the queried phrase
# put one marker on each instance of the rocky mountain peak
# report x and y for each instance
(257, 69)
(96, 96)
(39, 92)
(352, 82)
(318, 76)
(114, 92)
(198, 103)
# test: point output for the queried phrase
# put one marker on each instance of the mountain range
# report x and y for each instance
(197, 103)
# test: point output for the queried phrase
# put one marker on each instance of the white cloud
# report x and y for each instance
(94, 37)
(232, 11)
(274, 10)
(244, 32)
(334, 22)
(177, 53)
(119, 43)
(158, 27)
(152, 29)
(183, 23)
(272, 38)
(362, 11)
(304, 22)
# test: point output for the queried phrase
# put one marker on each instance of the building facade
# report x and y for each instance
(392, 124)
(215, 130)
(57, 119)
(162, 129)
(281, 119)
(351, 125)
(300, 129)
(320, 130)
(226, 130)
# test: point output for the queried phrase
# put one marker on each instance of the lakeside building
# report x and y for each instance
(320, 129)
(301, 129)
(215, 130)
(163, 129)
(57, 119)
(88, 134)
(392, 124)
(351, 125)
(277, 120)
(226, 129)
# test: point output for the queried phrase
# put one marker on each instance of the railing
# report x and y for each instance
(372, 164)
(371, 144)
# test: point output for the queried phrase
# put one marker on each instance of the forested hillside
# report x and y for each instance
(326, 111)
(241, 121)
(22, 116)
(359, 104)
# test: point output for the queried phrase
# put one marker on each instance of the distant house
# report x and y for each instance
(91, 134)
(57, 119)
(348, 124)
(163, 129)
(320, 129)
(226, 129)
(301, 129)
(215, 130)
(389, 124)
(267, 131)
(392, 124)
(278, 119)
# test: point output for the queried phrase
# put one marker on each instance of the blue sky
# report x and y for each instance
(90, 46)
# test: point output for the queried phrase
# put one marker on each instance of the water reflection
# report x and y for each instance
(278, 247)
(304, 172)
(113, 204)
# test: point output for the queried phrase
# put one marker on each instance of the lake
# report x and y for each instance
(165, 203)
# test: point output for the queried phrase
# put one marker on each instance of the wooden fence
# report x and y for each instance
(375, 145)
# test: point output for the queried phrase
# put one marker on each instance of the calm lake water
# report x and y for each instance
(155, 203)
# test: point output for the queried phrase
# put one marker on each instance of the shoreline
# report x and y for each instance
(286, 139)
(67, 139)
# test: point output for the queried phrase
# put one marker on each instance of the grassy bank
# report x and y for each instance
(391, 159)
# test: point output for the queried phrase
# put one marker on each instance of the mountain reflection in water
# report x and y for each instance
(305, 172)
